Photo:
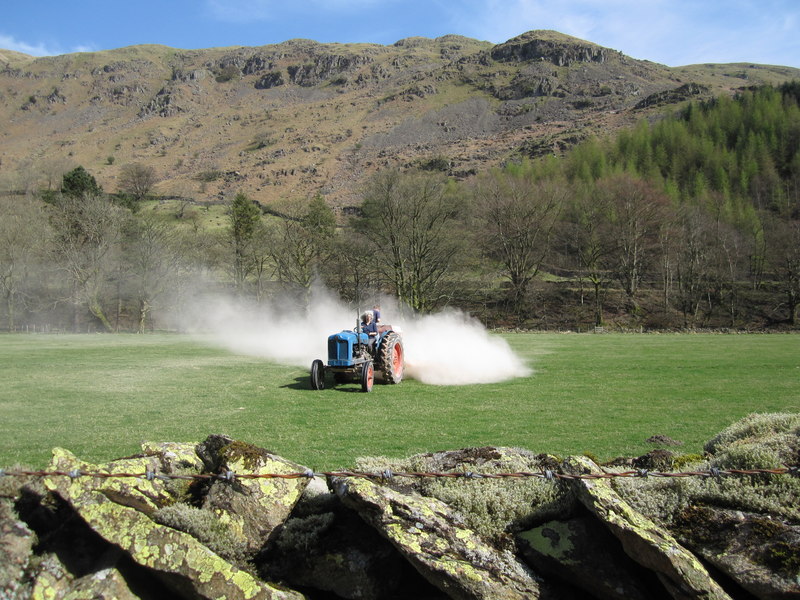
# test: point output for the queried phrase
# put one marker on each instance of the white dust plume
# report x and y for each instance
(448, 348)
(282, 332)
(451, 348)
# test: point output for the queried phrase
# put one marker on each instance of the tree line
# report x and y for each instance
(692, 220)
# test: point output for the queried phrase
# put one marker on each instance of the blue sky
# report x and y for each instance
(672, 32)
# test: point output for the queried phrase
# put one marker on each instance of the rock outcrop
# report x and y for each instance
(674, 96)
(162, 104)
(759, 552)
(435, 540)
(581, 550)
(561, 50)
(249, 508)
(270, 80)
(651, 546)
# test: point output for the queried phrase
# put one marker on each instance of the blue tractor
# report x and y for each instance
(354, 356)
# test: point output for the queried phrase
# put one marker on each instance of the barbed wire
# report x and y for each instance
(388, 474)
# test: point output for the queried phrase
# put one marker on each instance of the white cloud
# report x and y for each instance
(500, 20)
(673, 32)
(85, 48)
(10, 43)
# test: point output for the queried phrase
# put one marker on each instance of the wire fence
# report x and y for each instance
(388, 474)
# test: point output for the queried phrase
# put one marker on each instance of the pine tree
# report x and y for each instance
(78, 183)
(244, 218)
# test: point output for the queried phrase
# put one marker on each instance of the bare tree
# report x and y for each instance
(636, 213)
(693, 258)
(730, 258)
(784, 256)
(152, 262)
(300, 243)
(85, 247)
(586, 237)
(293, 254)
(137, 180)
(351, 268)
(668, 246)
(52, 170)
(23, 233)
(262, 260)
(197, 257)
(517, 215)
(412, 222)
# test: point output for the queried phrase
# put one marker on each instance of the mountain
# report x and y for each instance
(288, 120)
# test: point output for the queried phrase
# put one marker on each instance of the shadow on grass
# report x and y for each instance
(304, 383)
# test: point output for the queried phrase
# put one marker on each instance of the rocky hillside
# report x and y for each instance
(289, 120)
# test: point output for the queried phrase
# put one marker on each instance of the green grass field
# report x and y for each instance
(100, 396)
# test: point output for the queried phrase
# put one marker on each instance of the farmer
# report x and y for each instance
(369, 327)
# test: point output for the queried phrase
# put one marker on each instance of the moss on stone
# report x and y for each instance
(701, 526)
(683, 461)
(301, 534)
(437, 540)
(146, 542)
(251, 456)
(767, 547)
(784, 558)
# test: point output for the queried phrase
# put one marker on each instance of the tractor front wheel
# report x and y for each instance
(317, 375)
(367, 376)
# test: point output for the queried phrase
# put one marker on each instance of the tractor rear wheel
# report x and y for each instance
(367, 376)
(317, 375)
(392, 358)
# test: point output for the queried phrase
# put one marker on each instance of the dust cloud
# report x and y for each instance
(447, 348)
(451, 348)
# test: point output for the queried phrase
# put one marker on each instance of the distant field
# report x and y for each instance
(100, 396)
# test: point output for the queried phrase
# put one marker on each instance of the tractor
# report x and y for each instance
(354, 357)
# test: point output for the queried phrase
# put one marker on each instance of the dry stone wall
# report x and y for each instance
(195, 527)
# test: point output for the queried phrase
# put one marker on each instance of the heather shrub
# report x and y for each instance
(770, 429)
(491, 507)
(301, 534)
(11, 487)
(764, 441)
(204, 526)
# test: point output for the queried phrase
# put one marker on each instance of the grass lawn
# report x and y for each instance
(100, 396)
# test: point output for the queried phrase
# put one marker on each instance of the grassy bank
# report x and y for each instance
(100, 396)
